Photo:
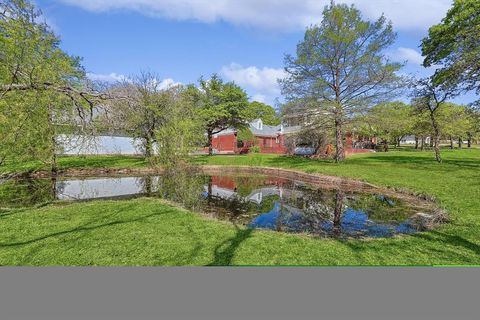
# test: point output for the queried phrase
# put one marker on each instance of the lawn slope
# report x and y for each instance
(152, 232)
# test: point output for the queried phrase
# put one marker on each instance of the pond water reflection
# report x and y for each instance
(255, 201)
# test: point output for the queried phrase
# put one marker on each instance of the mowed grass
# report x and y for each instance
(152, 232)
(77, 162)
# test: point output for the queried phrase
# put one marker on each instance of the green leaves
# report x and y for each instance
(42, 88)
(259, 110)
(388, 121)
(340, 69)
(221, 105)
(453, 44)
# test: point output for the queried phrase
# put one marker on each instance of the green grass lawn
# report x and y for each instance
(152, 232)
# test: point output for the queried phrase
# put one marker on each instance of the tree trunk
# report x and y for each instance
(54, 168)
(469, 142)
(210, 142)
(399, 142)
(53, 141)
(460, 141)
(436, 147)
(416, 143)
(337, 218)
(340, 152)
(148, 185)
(451, 142)
(148, 146)
(423, 143)
(53, 188)
(432, 141)
(436, 138)
(385, 145)
(209, 190)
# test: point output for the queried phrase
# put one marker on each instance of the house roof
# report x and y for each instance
(259, 129)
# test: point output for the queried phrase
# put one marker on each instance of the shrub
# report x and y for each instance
(255, 149)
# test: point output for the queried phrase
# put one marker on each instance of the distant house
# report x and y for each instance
(411, 140)
(270, 139)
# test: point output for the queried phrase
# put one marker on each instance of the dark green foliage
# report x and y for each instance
(259, 110)
(453, 44)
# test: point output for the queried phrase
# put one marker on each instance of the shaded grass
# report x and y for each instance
(151, 232)
(77, 162)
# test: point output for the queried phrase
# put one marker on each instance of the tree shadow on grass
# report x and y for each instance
(225, 251)
(452, 240)
(419, 161)
(89, 226)
(438, 244)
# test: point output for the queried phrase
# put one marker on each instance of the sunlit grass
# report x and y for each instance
(150, 232)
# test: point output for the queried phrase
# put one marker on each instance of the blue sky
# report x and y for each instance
(243, 41)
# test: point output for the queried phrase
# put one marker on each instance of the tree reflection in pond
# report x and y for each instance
(254, 201)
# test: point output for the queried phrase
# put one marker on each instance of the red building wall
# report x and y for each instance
(225, 143)
(272, 144)
(228, 144)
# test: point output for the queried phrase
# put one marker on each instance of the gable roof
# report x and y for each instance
(262, 130)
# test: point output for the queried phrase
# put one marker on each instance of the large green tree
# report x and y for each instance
(340, 68)
(473, 131)
(259, 110)
(140, 106)
(454, 45)
(455, 123)
(221, 105)
(388, 121)
(43, 90)
(433, 99)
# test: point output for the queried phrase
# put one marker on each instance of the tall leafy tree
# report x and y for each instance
(43, 90)
(221, 105)
(453, 44)
(473, 131)
(389, 122)
(141, 106)
(182, 129)
(455, 123)
(32, 60)
(259, 110)
(432, 99)
(340, 68)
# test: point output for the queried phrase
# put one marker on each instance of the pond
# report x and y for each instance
(255, 201)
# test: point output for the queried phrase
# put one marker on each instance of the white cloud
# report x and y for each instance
(115, 77)
(263, 80)
(409, 54)
(259, 98)
(274, 14)
(110, 78)
(168, 83)
(262, 83)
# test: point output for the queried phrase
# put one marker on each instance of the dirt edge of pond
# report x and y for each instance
(436, 217)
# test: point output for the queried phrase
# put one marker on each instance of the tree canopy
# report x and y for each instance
(221, 105)
(340, 68)
(43, 90)
(259, 110)
(453, 45)
(388, 121)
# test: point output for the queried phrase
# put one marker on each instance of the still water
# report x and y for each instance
(254, 201)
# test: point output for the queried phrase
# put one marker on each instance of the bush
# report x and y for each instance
(255, 149)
